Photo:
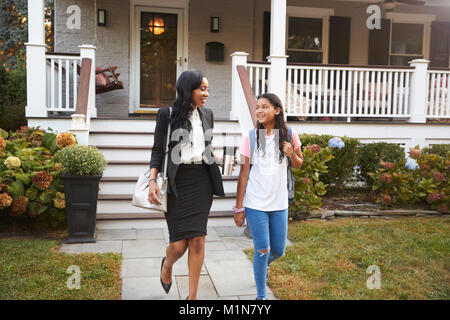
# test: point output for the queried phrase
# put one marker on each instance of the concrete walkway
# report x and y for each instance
(227, 273)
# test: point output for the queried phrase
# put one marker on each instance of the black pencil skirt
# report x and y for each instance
(187, 216)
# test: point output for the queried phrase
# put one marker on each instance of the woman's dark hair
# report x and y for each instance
(182, 107)
(280, 124)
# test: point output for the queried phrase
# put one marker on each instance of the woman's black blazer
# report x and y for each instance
(159, 145)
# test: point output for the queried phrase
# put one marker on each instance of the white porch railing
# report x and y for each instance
(438, 86)
(341, 91)
(258, 73)
(62, 81)
(412, 93)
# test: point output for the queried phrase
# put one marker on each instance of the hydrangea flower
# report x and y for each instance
(336, 142)
(411, 164)
(12, 162)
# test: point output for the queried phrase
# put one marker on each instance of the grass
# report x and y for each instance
(329, 259)
(33, 269)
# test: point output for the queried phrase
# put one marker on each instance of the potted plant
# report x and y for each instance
(82, 169)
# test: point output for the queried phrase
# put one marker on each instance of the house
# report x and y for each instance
(370, 70)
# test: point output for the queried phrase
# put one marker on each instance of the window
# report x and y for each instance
(305, 40)
(406, 43)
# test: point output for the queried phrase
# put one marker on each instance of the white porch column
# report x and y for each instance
(238, 101)
(88, 51)
(36, 64)
(418, 94)
(278, 58)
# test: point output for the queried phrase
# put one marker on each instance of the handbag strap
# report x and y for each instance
(166, 157)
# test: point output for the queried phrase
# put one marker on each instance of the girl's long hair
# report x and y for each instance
(182, 107)
(280, 124)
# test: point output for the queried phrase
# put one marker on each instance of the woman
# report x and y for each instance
(264, 204)
(193, 175)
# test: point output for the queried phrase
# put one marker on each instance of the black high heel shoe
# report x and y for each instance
(166, 286)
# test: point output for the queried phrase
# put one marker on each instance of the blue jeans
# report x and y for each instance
(269, 233)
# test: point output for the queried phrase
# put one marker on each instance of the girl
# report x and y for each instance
(262, 186)
(193, 175)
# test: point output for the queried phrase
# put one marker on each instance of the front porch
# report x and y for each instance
(321, 94)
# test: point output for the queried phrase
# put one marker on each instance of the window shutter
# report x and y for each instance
(379, 44)
(440, 43)
(266, 35)
(339, 44)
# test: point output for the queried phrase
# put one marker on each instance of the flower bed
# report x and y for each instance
(29, 175)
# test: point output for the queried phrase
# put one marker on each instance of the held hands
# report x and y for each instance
(154, 194)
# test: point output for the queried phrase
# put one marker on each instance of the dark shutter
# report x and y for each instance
(379, 44)
(440, 43)
(339, 44)
(266, 35)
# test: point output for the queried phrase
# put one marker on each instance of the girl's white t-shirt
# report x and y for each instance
(267, 182)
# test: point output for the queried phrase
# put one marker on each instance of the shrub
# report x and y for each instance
(372, 154)
(79, 160)
(14, 93)
(422, 179)
(308, 187)
(440, 149)
(29, 176)
(341, 167)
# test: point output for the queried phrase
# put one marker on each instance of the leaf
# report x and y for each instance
(16, 189)
(42, 210)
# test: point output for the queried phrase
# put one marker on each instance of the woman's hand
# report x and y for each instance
(288, 149)
(239, 219)
(154, 194)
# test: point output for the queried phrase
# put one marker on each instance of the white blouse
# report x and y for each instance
(192, 151)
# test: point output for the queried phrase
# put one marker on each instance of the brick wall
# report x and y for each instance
(112, 45)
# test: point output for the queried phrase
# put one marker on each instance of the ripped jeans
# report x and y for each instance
(269, 233)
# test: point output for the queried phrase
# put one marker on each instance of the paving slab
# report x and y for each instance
(150, 234)
(147, 288)
(230, 231)
(212, 235)
(214, 246)
(231, 272)
(117, 234)
(97, 247)
(143, 248)
(235, 243)
(205, 291)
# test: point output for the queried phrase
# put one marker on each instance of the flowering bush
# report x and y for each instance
(308, 187)
(79, 160)
(422, 179)
(344, 151)
(29, 176)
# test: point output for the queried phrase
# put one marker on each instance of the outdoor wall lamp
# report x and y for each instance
(214, 24)
(101, 17)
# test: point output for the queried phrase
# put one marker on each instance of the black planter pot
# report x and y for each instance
(81, 194)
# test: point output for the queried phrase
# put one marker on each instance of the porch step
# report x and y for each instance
(145, 138)
(119, 206)
(120, 185)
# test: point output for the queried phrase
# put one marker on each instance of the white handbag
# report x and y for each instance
(140, 195)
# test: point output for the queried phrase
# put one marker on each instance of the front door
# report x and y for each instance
(160, 59)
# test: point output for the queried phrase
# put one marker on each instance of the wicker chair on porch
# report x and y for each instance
(106, 79)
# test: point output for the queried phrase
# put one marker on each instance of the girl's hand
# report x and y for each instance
(288, 149)
(239, 219)
(154, 194)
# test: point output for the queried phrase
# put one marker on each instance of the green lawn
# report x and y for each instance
(329, 259)
(33, 269)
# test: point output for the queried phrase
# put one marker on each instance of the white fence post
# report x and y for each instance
(36, 63)
(238, 101)
(418, 93)
(278, 58)
(88, 51)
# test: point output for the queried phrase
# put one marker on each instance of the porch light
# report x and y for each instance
(157, 26)
(101, 17)
(214, 24)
